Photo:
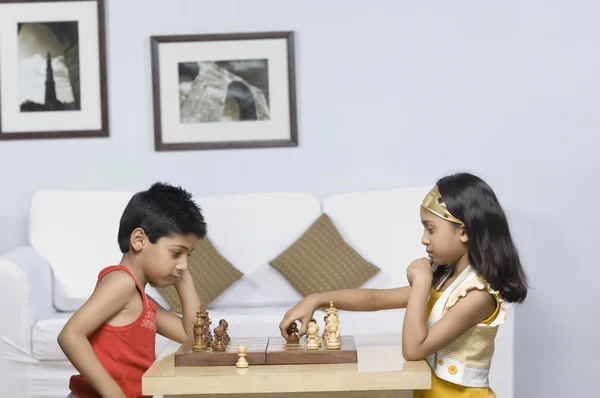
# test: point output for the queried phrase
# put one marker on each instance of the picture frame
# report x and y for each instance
(53, 69)
(224, 91)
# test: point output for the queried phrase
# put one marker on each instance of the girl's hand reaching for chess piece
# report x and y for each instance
(348, 300)
(302, 312)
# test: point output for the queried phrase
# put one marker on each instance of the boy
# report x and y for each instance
(111, 339)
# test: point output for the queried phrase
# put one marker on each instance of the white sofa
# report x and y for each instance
(73, 234)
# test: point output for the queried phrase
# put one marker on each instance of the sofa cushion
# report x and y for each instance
(383, 226)
(212, 275)
(247, 229)
(321, 261)
(264, 321)
(76, 231)
(250, 230)
(44, 337)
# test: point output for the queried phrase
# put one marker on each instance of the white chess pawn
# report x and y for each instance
(316, 326)
(241, 363)
(312, 339)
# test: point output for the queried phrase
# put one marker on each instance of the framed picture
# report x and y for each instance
(222, 91)
(52, 69)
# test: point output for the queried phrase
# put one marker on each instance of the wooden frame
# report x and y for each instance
(87, 114)
(188, 117)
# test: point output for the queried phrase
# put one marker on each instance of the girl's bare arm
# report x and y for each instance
(350, 300)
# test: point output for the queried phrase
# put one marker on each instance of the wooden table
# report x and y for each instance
(381, 372)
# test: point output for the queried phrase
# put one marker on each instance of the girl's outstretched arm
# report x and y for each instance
(419, 341)
(350, 300)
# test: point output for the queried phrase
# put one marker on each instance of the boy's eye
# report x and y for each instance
(176, 254)
(189, 254)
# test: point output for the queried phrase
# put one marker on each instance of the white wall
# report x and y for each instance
(390, 94)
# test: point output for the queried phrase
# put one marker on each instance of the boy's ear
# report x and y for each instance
(137, 239)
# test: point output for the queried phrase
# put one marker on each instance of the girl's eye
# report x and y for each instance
(430, 230)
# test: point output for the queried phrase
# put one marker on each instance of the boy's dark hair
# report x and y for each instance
(163, 210)
(492, 252)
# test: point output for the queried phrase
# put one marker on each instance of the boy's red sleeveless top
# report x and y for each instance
(126, 352)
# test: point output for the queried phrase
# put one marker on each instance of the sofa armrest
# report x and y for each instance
(25, 294)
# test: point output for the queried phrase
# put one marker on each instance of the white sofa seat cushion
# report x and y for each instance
(243, 322)
(44, 337)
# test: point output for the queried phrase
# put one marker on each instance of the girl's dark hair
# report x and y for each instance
(492, 252)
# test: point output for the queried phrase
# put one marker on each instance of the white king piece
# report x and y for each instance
(332, 329)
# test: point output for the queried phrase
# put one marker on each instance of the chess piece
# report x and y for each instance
(312, 339)
(333, 341)
(331, 309)
(316, 326)
(208, 337)
(241, 363)
(292, 332)
(325, 329)
(199, 343)
(207, 334)
(218, 344)
(226, 339)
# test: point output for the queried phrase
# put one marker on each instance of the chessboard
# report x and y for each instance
(255, 354)
(267, 351)
(279, 354)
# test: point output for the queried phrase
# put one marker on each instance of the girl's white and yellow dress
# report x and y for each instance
(462, 369)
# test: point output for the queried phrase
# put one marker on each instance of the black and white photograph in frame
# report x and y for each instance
(52, 69)
(224, 91)
(48, 67)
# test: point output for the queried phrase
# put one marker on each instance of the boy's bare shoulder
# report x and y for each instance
(118, 282)
(112, 294)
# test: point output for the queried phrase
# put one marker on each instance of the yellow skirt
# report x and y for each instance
(444, 389)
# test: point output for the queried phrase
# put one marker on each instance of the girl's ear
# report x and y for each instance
(464, 238)
(137, 239)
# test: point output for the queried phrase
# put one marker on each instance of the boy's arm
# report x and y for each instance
(172, 326)
(350, 300)
(109, 298)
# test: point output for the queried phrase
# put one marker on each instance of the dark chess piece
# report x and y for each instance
(218, 344)
(226, 339)
(292, 332)
(208, 337)
(199, 342)
(204, 315)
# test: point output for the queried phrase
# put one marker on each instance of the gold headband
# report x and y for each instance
(434, 203)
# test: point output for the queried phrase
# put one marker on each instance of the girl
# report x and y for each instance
(455, 298)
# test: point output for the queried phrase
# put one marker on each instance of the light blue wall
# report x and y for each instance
(390, 94)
